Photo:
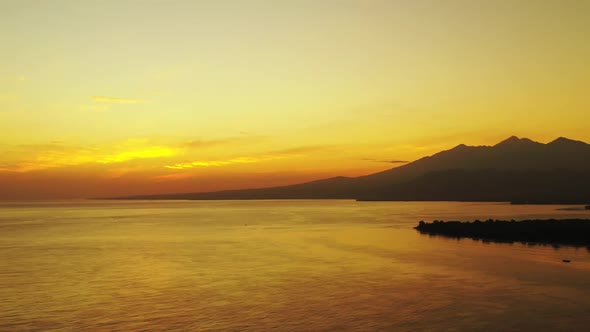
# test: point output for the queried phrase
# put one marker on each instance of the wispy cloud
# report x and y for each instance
(45, 156)
(143, 153)
(173, 177)
(389, 161)
(116, 100)
(244, 138)
(273, 155)
(224, 162)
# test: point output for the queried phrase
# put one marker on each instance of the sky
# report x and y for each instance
(108, 98)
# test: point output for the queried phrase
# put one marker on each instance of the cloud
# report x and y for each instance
(243, 139)
(173, 177)
(144, 153)
(273, 155)
(214, 163)
(57, 154)
(116, 100)
(394, 161)
(44, 156)
(302, 150)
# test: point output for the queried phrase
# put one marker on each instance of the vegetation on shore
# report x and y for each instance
(574, 232)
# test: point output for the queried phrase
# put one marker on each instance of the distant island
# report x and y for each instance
(516, 170)
(574, 232)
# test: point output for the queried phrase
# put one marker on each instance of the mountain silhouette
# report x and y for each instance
(518, 170)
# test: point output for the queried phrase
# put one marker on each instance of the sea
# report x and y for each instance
(280, 265)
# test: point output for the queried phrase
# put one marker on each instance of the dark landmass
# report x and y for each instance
(492, 185)
(515, 170)
(333, 188)
(575, 232)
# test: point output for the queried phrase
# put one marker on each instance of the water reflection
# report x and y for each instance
(508, 242)
(297, 265)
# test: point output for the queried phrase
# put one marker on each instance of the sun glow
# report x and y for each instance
(56, 158)
(275, 91)
(147, 153)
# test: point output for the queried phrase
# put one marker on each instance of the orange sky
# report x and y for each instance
(103, 98)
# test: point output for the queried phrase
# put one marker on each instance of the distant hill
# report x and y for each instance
(517, 170)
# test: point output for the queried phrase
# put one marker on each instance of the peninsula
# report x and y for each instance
(574, 232)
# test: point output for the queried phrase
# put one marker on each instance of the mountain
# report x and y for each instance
(516, 170)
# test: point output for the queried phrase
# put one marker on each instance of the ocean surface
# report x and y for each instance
(325, 265)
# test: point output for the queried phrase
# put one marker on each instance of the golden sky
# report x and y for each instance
(102, 98)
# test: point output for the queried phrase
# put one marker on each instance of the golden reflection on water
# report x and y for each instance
(288, 265)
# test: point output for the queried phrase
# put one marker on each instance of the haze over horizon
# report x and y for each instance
(116, 98)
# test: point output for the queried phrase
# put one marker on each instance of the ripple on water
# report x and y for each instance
(307, 266)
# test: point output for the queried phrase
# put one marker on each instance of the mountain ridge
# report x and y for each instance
(507, 162)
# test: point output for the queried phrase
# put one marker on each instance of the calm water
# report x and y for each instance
(279, 265)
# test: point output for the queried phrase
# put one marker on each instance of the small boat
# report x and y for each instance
(566, 260)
